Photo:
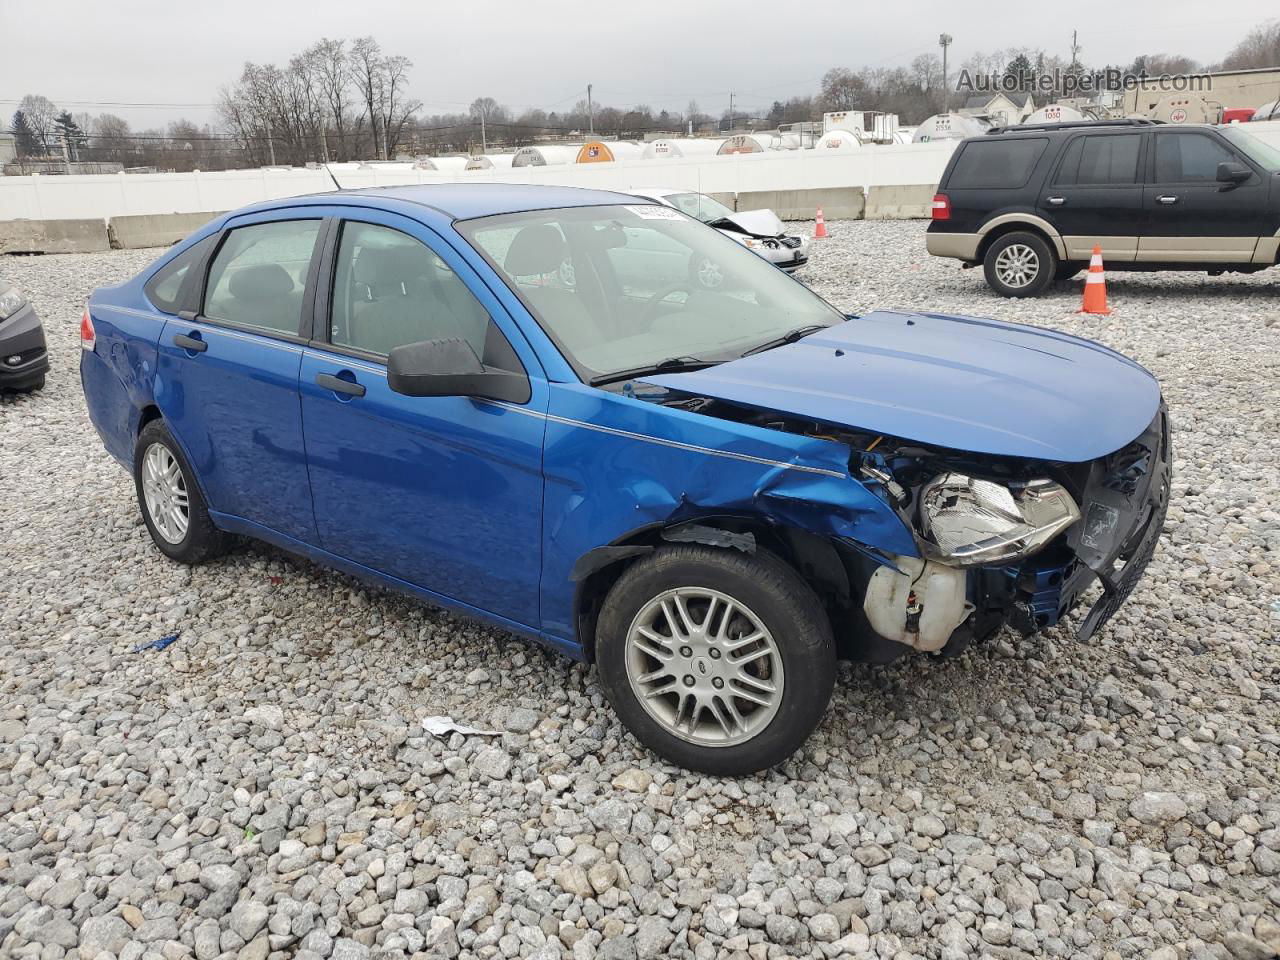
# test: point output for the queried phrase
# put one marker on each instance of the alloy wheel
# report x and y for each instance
(164, 490)
(704, 666)
(1017, 265)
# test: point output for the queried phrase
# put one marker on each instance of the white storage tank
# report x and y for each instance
(839, 140)
(949, 126)
(744, 143)
(547, 155)
(491, 161)
(442, 164)
(674, 148)
(609, 151)
(1055, 113)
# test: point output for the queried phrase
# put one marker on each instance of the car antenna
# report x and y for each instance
(331, 176)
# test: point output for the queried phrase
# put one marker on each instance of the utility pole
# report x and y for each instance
(271, 144)
(591, 115)
(944, 41)
(484, 140)
(730, 111)
(1075, 50)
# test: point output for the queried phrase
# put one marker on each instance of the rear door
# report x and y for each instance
(1094, 195)
(444, 493)
(1191, 217)
(227, 374)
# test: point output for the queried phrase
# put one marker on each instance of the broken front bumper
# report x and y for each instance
(1123, 506)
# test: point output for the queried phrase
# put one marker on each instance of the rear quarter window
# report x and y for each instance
(167, 287)
(996, 164)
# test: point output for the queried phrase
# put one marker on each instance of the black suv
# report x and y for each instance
(1030, 202)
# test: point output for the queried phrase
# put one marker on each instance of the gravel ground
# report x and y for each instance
(264, 788)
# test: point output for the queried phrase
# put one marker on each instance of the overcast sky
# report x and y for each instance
(95, 56)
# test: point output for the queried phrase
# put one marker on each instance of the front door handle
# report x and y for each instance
(1166, 199)
(194, 344)
(340, 385)
(1057, 201)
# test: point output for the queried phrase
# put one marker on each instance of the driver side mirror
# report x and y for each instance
(450, 368)
(1233, 173)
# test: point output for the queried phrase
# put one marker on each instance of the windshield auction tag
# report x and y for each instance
(655, 212)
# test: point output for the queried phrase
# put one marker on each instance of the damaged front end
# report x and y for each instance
(1017, 542)
(999, 540)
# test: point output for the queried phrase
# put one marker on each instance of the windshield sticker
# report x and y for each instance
(656, 212)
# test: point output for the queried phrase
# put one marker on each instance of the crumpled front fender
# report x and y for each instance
(616, 464)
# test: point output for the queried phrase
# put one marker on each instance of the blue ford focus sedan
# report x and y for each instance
(518, 402)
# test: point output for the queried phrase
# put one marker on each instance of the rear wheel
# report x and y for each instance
(718, 661)
(1020, 265)
(172, 506)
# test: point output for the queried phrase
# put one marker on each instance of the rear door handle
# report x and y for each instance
(1166, 199)
(194, 344)
(340, 385)
(1057, 201)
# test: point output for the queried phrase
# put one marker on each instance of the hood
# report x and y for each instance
(758, 223)
(965, 383)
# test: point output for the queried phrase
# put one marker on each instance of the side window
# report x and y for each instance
(165, 288)
(258, 277)
(390, 289)
(1188, 157)
(996, 163)
(1105, 160)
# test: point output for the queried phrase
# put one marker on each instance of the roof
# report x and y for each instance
(462, 201)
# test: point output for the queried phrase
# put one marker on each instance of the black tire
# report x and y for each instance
(33, 386)
(1042, 266)
(777, 596)
(1067, 271)
(202, 540)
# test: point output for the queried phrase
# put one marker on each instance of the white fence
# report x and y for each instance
(117, 195)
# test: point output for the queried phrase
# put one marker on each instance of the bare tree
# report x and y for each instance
(1259, 48)
(42, 119)
(394, 107)
(334, 79)
(365, 64)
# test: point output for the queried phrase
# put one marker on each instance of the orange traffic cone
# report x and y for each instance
(820, 230)
(1095, 285)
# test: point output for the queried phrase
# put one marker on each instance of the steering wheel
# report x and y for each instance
(650, 308)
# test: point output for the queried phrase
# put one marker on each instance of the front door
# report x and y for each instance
(444, 493)
(1191, 216)
(227, 375)
(1094, 196)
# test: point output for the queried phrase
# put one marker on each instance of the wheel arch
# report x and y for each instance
(1008, 223)
(813, 557)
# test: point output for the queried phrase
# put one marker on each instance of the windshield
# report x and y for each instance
(1261, 153)
(623, 287)
(700, 206)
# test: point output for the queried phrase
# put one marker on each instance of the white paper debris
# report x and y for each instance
(442, 726)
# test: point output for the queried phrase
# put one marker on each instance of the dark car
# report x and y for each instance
(711, 495)
(24, 359)
(1030, 202)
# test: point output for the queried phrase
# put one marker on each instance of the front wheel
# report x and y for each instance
(172, 506)
(719, 661)
(1020, 265)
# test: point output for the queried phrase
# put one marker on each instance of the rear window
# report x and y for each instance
(996, 164)
(1095, 160)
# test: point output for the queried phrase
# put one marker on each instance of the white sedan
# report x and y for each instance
(758, 230)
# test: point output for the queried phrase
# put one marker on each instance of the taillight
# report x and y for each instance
(87, 337)
(941, 209)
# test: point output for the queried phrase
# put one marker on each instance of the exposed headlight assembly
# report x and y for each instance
(965, 522)
(11, 301)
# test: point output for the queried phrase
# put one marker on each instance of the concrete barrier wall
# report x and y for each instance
(153, 229)
(125, 195)
(900, 202)
(53, 236)
(837, 203)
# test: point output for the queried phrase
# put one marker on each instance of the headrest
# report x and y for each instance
(262, 282)
(392, 265)
(536, 250)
